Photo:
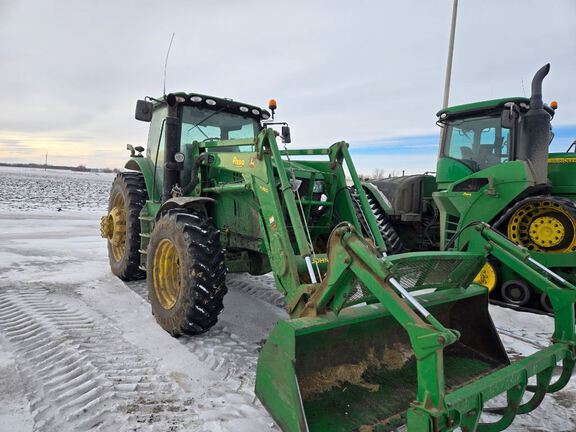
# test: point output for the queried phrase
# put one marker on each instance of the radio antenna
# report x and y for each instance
(166, 62)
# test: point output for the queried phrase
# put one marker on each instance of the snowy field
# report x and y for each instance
(79, 349)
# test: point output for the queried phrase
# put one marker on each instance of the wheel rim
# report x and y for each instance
(543, 226)
(166, 273)
(487, 277)
(113, 227)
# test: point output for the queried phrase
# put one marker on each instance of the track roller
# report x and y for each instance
(517, 292)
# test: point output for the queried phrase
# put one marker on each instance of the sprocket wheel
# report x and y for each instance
(544, 225)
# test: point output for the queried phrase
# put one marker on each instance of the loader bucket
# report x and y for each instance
(356, 371)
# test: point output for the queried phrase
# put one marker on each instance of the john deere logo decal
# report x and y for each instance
(321, 260)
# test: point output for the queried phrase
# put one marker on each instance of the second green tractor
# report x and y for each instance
(494, 167)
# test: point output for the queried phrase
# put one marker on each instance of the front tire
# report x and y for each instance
(186, 272)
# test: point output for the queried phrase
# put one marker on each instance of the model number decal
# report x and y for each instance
(562, 160)
(238, 162)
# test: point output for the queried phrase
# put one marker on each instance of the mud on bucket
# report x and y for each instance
(357, 371)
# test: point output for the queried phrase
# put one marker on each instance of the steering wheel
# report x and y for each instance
(211, 139)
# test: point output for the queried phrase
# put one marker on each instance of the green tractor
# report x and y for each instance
(373, 340)
(494, 167)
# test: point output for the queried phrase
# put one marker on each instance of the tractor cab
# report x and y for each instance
(201, 119)
(480, 135)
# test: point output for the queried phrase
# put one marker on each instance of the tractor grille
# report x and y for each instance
(420, 271)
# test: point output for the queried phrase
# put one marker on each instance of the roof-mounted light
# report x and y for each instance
(211, 102)
(195, 99)
(244, 109)
(255, 112)
(554, 105)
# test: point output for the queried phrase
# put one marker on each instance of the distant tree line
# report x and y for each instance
(81, 168)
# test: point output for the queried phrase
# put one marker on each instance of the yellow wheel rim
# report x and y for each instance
(487, 277)
(113, 227)
(547, 231)
(166, 274)
(543, 226)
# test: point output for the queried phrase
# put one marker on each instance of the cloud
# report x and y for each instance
(354, 71)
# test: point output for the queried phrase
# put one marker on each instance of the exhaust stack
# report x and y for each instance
(534, 131)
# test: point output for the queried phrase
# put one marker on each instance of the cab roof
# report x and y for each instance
(481, 106)
(217, 103)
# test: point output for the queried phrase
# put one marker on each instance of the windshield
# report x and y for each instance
(478, 142)
(199, 124)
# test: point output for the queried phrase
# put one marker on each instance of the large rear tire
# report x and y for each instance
(121, 225)
(186, 272)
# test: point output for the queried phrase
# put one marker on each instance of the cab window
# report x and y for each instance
(478, 142)
(200, 124)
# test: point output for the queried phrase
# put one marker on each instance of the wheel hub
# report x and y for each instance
(547, 231)
(166, 274)
(113, 227)
(107, 227)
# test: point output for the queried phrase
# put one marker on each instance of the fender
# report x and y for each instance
(184, 202)
(144, 165)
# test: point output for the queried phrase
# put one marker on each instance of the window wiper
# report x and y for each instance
(209, 116)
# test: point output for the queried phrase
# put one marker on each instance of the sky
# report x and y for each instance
(367, 72)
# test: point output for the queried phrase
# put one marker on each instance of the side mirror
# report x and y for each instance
(143, 110)
(509, 116)
(286, 135)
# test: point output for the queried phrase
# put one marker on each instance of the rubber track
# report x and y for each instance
(391, 238)
(519, 308)
(81, 374)
(569, 204)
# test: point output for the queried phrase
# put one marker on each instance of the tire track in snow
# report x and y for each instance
(219, 348)
(81, 374)
(232, 401)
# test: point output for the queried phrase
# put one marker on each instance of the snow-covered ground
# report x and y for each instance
(79, 349)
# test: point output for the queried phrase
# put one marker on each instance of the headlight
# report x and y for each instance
(179, 157)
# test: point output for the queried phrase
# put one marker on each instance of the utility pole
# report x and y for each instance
(46, 162)
(450, 55)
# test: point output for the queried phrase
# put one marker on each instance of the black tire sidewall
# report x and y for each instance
(202, 272)
(122, 268)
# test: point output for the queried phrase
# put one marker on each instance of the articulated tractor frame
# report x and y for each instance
(374, 340)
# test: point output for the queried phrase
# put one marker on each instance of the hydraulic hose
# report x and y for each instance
(194, 178)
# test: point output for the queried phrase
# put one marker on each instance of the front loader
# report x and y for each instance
(373, 340)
